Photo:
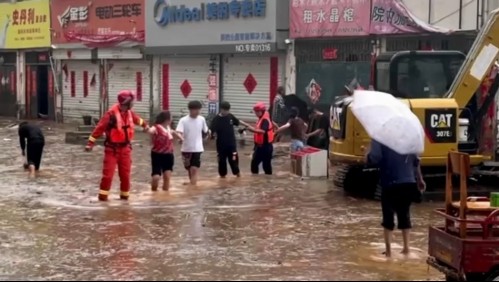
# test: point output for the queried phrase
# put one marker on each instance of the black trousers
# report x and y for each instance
(262, 155)
(228, 155)
(396, 200)
(34, 153)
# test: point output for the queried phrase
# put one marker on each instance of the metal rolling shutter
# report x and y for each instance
(132, 75)
(73, 83)
(184, 71)
(236, 70)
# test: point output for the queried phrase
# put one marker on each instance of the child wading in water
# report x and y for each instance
(298, 129)
(162, 158)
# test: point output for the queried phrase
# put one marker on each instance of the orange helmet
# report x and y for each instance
(259, 107)
(125, 97)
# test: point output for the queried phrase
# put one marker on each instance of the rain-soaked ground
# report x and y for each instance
(253, 228)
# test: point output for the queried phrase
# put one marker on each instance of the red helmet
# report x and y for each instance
(259, 107)
(125, 97)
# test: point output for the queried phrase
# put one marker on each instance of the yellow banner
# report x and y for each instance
(25, 24)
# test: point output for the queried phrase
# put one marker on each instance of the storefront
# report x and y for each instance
(336, 44)
(97, 49)
(25, 32)
(232, 51)
(41, 99)
(8, 99)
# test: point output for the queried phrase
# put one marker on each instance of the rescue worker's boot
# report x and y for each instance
(124, 196)
(103, 198)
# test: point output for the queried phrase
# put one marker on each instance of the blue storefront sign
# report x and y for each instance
(165, 14)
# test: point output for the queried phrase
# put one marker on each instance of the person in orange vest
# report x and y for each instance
(264, 139)
(118, 125)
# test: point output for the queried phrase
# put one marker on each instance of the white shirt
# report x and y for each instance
(192, 129)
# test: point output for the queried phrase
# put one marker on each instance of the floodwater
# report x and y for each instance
(253, 228)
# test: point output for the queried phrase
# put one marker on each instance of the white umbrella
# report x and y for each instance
(389, 121)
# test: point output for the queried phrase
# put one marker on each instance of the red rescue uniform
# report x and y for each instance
(119, 129)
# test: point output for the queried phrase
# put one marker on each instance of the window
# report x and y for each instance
(383, 76)
(426, 77)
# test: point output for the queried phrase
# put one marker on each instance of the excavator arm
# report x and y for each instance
(478, 64)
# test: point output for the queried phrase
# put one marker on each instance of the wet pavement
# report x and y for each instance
(253, 228)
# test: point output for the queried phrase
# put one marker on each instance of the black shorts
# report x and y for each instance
(397, 200)
(161, 163)
(191, 160)
(34, 154)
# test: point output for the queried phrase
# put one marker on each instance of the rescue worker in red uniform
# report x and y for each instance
(118, 125)
(264, 139)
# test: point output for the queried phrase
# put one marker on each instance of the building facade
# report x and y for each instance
(336, 42)
(98, 50)
(25, 69)
(229, 50)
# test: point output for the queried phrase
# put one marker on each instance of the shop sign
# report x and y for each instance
(108, 22)
(253, 48)
(25, 24)
(212, 87)
(165, 14)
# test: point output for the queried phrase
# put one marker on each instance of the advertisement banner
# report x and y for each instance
(329, 18)
(393, 17)
(98, 23)
(25, 24)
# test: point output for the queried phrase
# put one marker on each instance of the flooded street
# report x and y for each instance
(253, 228)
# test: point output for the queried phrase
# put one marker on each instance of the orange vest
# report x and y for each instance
(123, 128)
(260, 137)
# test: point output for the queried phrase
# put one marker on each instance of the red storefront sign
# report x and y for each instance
(329, 18)
(330, 54)
(212, 87)
(97, 23)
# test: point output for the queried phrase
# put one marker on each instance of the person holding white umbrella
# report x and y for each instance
(398, 139)
(402, 183)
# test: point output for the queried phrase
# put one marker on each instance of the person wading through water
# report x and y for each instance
(35, 142)
(264, 139)
(297, 128)
(192, 128)
(401, 183)
(118, 125)
(222, 127)
(162, 157)
(318, 130)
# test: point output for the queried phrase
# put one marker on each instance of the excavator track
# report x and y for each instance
(357, 181)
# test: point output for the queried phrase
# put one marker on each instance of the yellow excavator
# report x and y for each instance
(443, 89)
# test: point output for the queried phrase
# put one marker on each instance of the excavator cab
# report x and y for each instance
(417, 74)
(404, 74)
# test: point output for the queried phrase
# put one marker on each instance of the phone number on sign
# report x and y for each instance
(265, 47)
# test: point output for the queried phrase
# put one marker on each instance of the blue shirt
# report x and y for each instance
(394, 167)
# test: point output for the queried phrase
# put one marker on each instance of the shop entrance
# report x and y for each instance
(39, 92)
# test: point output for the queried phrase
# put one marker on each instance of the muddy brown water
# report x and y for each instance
(253, 228)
